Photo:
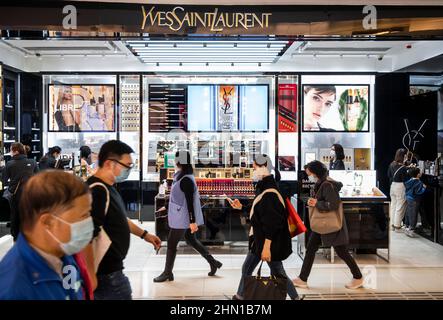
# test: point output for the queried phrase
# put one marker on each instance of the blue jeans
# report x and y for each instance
(252, 261)
(113, 286)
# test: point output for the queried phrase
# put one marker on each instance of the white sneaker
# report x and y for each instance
(411, 233)
(355, 284)
(299, 283)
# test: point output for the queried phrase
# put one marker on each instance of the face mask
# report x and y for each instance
(259, 173)
(124, 174)
(81, 235)
(313, 179)
(332, 153)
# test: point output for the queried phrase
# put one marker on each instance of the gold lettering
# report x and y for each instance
(248, 20)
(259, 21)
(240, 21)
(169, 17)
(149, 14)
(199, 18)
(214, 23)
(177, 18)
(227, 20)
(221, 19)
(267, 15)
(186, 18)
(162, 19)
(208, 17)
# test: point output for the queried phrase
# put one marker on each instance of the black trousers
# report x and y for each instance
(342, 251)
(175, 235)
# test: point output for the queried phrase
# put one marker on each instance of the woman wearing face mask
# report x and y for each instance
(269, 238)
(337, 156)
(184, 216)
(55, 225)
(327, 199)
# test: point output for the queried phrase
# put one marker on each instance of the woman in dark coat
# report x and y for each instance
(327, 199)
(337, 154)
(269, 238)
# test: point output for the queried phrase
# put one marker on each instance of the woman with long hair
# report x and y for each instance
(337, 156)
(184, 217)
(327, 199)
(398, 175)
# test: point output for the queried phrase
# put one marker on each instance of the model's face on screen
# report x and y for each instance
(67, 94)
(316, 106)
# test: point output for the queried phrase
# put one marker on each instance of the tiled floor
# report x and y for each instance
(415, 271)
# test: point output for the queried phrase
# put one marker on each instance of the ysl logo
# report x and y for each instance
(412, 137)
(226, 98)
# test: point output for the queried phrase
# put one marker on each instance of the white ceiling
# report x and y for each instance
(281, 2)
(320, 56)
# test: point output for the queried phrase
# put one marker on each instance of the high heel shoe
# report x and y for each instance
(164, 277)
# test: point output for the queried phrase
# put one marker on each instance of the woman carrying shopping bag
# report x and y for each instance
(327, 224)
(269, 238)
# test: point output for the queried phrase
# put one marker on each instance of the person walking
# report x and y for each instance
(398, 175)
(337, 154)
(109, 215)
(327, 199)
(269, 238)
(184, 217)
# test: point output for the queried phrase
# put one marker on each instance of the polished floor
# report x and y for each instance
(415, 271)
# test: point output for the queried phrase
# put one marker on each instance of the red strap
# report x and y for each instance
(87, 283)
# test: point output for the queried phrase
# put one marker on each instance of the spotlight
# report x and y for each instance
(380, 58)
(232, 64)
(180, 64)
(157, 64)
(259, 64)
(207, 64)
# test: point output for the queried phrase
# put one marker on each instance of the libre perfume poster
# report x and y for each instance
(80, 108)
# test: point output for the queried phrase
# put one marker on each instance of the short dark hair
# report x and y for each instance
(47, 191)
(113, 149)
(55, 149)
(85, 151)
(317, 168)
(400, 155)
(321, 89)
(183, 159)
(339, 152)
(18, 147)
(413, 172)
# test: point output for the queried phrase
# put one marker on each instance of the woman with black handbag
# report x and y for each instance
(269, 238)
(327, 203)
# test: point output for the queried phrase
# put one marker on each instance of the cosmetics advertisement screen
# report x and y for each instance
(339, 108)
(81, 108)
(228, 108)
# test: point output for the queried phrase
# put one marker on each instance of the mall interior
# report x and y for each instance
(162, 77)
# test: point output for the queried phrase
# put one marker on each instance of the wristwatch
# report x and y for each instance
(145, 232)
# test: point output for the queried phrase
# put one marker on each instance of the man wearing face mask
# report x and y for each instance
(55, 224)
(108, 211)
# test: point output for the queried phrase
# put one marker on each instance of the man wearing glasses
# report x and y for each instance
(109, 214)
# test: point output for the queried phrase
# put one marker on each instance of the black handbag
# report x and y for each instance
(257, 287)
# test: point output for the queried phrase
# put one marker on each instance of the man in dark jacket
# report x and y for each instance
(17, 169)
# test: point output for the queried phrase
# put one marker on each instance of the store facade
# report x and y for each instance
(226, 83)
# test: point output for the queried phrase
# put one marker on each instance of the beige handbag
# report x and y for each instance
(102, 242)
(324, 222)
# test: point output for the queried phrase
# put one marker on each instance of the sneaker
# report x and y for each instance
(411, 233)
(299, 283)
(355, 284)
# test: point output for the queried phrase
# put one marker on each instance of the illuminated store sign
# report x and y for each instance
(216, 21)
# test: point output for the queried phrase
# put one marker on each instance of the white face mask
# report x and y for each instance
(259, 173)
(81, 235)
(312, 179)
(332, 153)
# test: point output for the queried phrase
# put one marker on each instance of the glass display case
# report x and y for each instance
(10, 109)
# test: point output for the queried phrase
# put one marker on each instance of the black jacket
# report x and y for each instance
(270, 221)
(47, 162)
(328, 199)
(337, 165)
(18, 168)
(397, 172)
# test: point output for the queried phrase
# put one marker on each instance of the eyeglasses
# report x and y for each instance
(130, 166)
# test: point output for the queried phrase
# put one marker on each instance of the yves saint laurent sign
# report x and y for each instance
(215, 21)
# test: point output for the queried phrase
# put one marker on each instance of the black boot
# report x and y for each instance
(167, 275)
(214, 264)
(164, 277)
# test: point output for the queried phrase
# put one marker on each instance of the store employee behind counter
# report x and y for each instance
(337, 154)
